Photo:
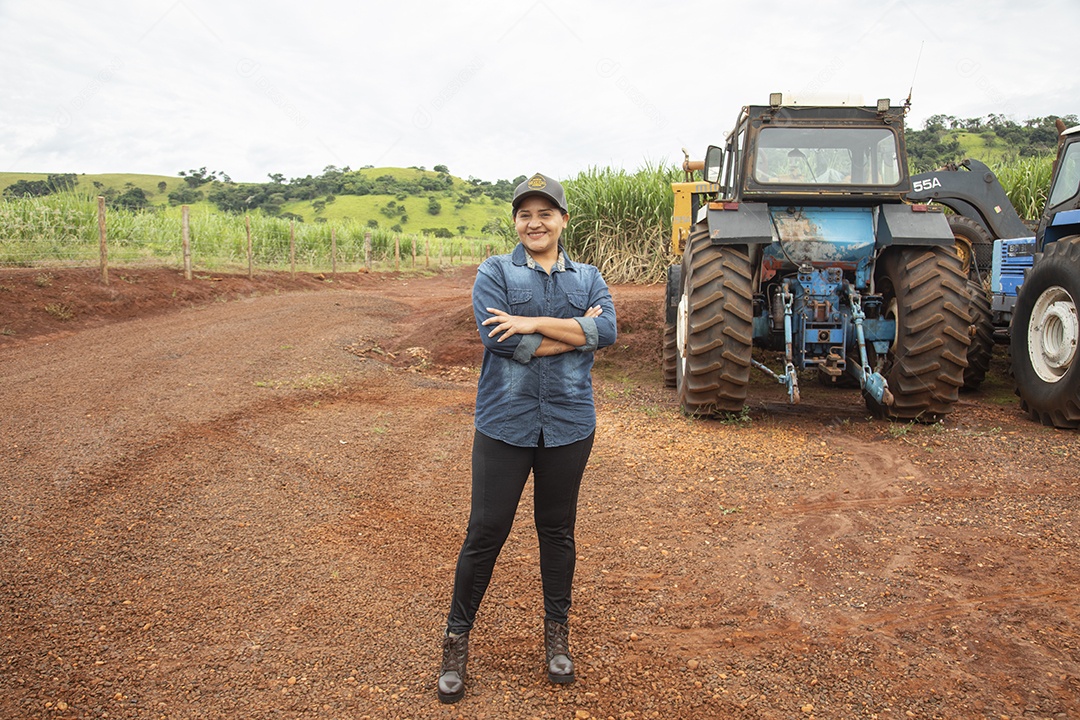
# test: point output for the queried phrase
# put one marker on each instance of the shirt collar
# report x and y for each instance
(521, 256)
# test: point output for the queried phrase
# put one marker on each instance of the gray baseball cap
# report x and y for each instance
(545, 187)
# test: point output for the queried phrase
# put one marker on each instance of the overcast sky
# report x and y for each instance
(491, 89)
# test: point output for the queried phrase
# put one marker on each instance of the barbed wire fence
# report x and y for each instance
(58, 231)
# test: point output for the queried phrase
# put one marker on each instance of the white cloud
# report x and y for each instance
(491, 89)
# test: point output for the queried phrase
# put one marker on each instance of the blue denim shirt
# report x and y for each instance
(519, 395)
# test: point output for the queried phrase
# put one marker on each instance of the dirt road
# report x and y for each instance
(243, 499)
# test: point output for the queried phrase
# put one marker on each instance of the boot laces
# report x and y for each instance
(455, 653)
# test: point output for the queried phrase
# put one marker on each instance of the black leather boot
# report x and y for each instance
(560, 668)
(455, 655)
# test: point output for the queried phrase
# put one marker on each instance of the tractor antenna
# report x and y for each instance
(907, 103)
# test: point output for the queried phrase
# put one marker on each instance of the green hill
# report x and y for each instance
(463, 207)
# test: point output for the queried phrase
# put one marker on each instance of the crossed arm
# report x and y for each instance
(560, 335)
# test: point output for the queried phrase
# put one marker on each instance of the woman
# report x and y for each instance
(541, 318)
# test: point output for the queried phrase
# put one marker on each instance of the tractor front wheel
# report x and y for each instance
(1044, 335)
(924, 289)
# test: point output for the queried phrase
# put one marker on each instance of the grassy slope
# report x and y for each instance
(974, 146)
(474, 215)
(117, 181)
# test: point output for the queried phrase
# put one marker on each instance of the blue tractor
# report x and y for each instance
(800, 240)
(1033, 278)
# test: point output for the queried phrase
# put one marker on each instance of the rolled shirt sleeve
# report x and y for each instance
(588, 326)
(527, 345)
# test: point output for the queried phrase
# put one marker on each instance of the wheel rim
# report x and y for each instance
(1053, 333)
(682, 331)
(892, 312)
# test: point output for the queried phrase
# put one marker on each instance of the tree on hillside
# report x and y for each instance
(27, 188)
(53, 183)
(185, 196)
(937, 143)
(133, 198)
(239, 198)
(62, 182)
(198, 178)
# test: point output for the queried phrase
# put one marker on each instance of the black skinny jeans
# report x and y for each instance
(498, 479)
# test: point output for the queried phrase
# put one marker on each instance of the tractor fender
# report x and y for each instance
(912, 225)
(1059, 225)
(739, 223)
(970, 189)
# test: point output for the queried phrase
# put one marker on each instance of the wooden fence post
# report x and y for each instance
(367, 250)
(413, 243)
(101, 239)
(397, 252)
(185, 234)
(247, 222)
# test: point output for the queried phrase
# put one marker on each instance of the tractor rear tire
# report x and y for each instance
(715, 327)
(981, 349)
(670, 352)
(1044, 336)
(925, 292)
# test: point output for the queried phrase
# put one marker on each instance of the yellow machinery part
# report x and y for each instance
(688, 198)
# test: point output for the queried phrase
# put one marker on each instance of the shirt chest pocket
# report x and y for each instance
(518, 298)
(579, 301)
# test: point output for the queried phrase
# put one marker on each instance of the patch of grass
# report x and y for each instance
(651, 411)
(43, 279)
(896, 430)
(741, 418)
(7, 331)
(60, 311)
(901, 431)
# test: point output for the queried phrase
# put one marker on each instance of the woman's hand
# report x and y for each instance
(509, 325)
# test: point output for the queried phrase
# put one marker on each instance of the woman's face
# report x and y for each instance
(539, 224)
